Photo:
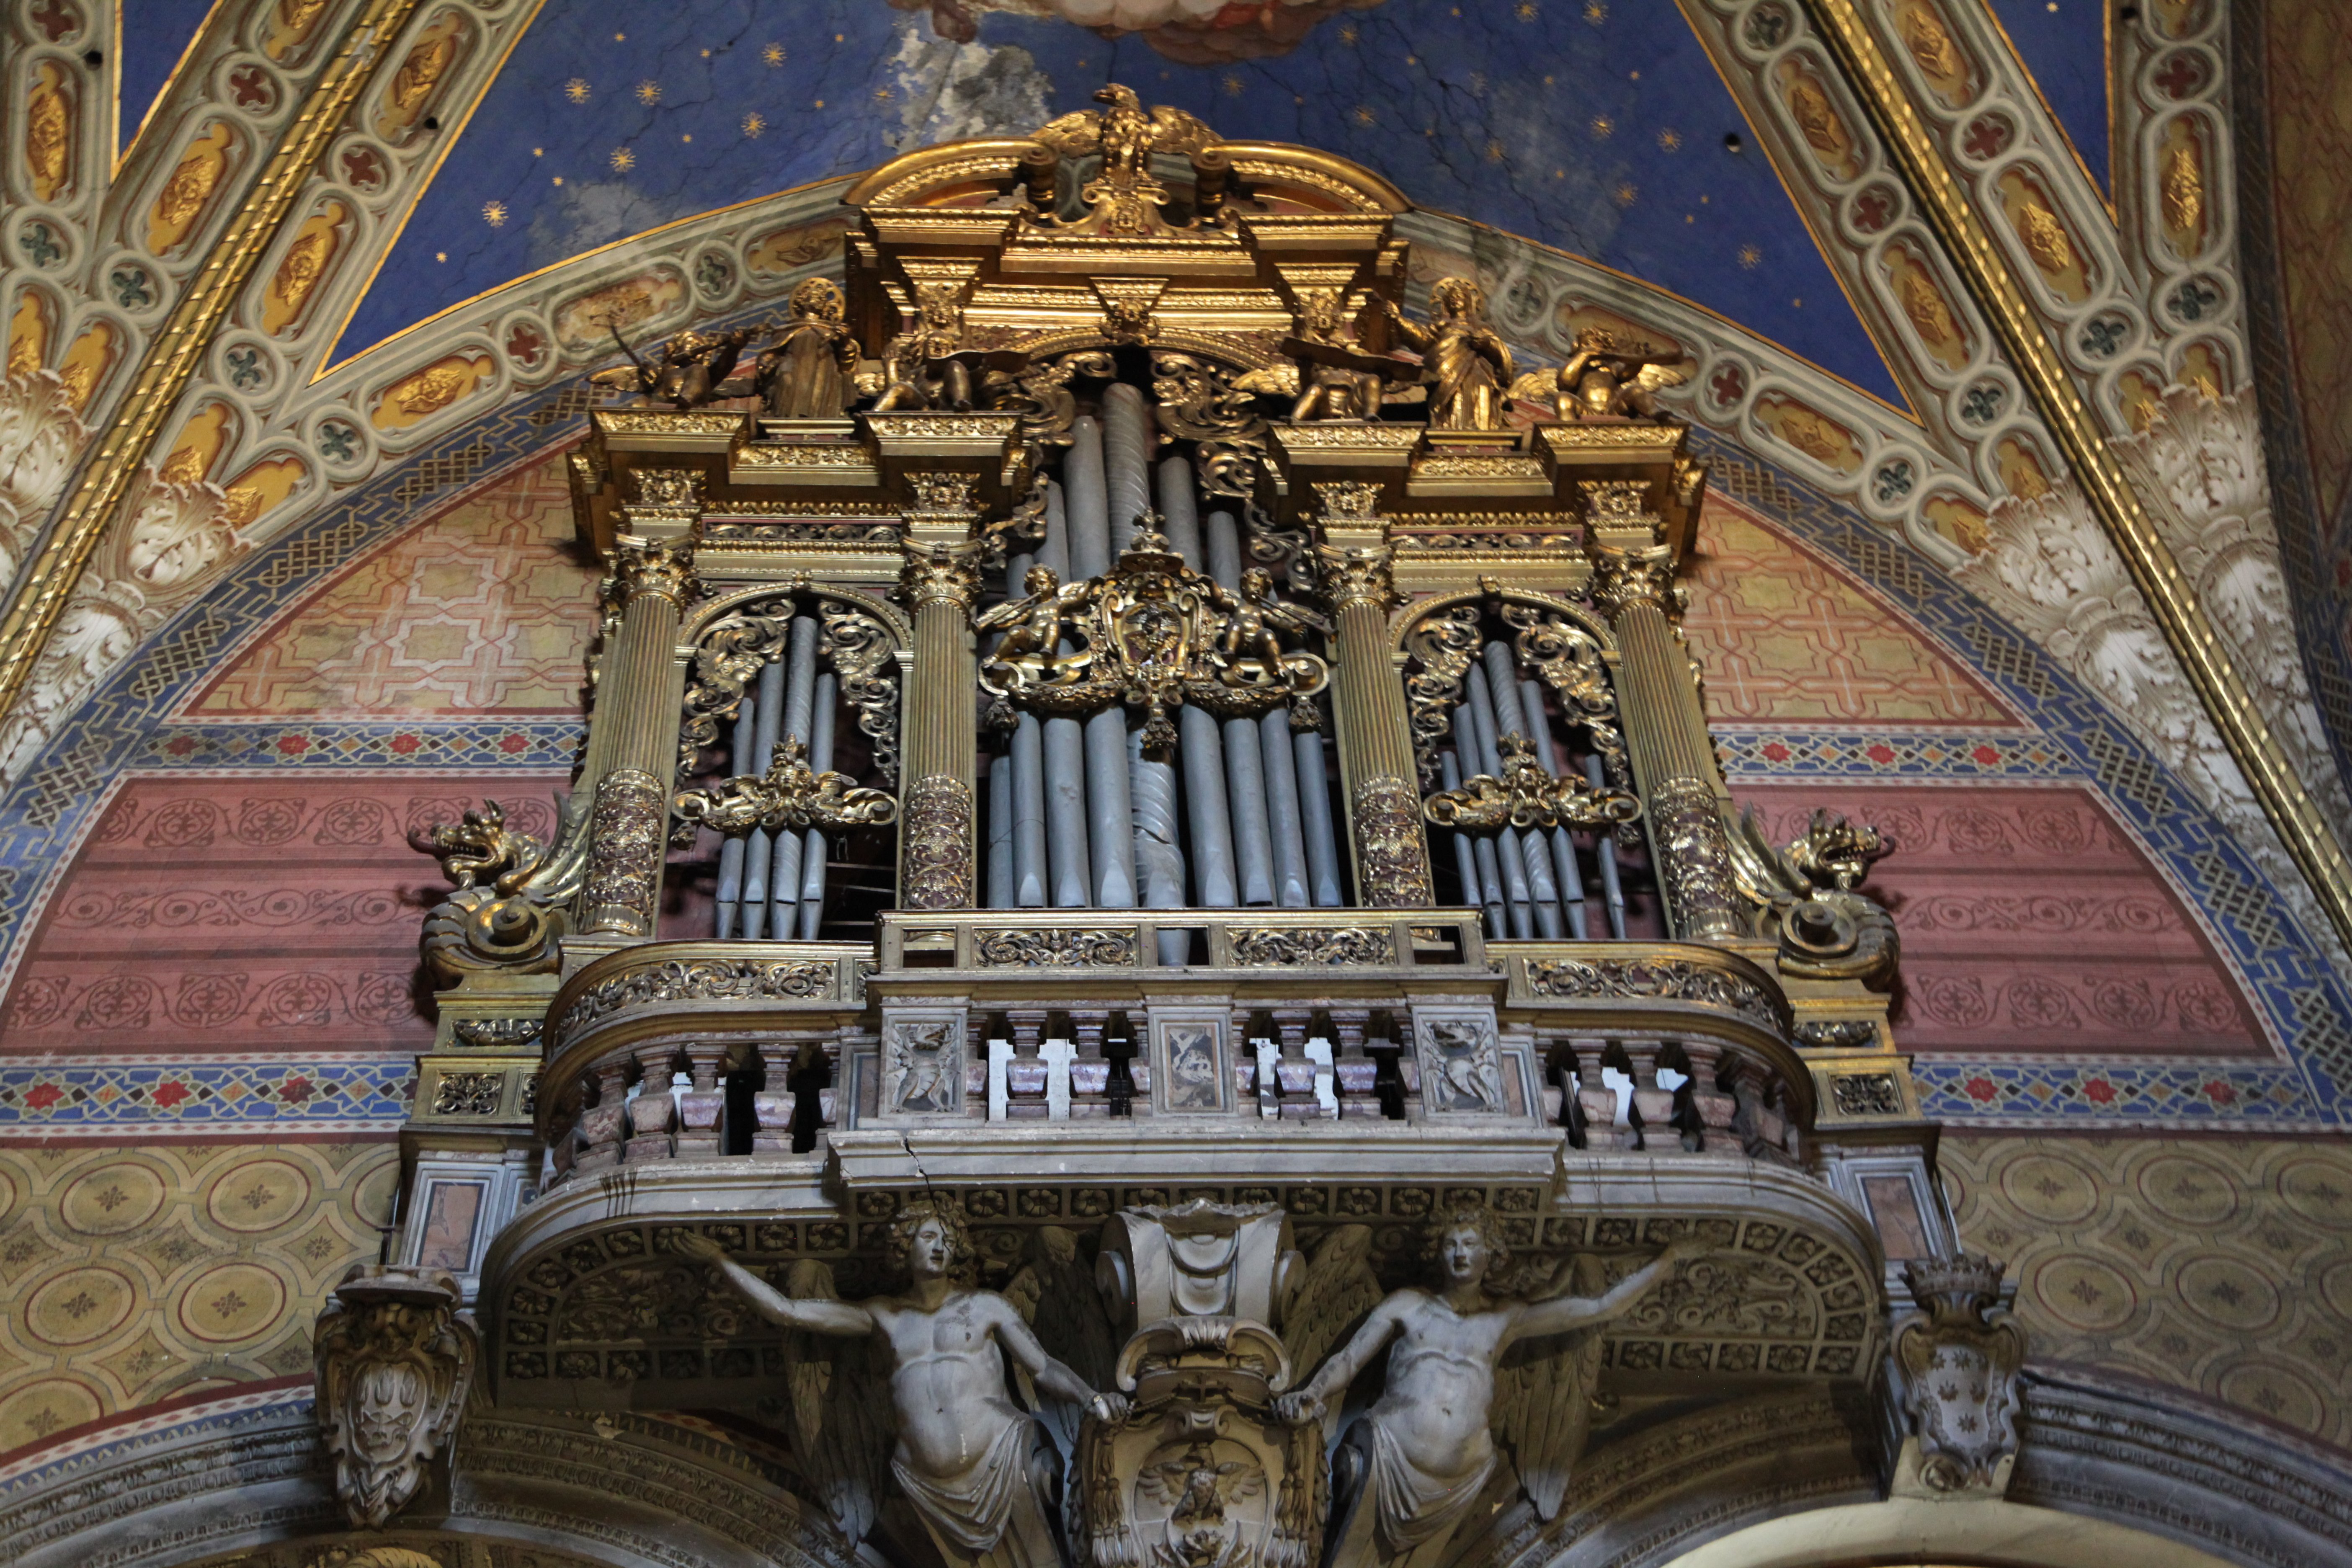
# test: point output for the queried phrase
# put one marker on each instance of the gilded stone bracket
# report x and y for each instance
(2002, 296)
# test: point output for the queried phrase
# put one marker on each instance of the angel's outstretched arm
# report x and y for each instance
(1411, 330)
(1308, 1403)
(1052, 1376)
(1561, 1313)
(816, 1316)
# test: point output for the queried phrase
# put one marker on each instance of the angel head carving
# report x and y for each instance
(1464, 1245)
(930, 1241)
(818, 299)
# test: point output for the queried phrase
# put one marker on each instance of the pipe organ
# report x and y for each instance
(1122, 665)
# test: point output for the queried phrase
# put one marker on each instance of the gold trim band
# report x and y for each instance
(2297, 817)
(174, 356)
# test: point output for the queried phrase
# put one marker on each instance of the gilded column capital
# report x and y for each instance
(1632, 563)
(658, 568)
(1354, 575)
(943, 574)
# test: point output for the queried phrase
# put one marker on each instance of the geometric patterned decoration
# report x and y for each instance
(478, 611)
(233, 914)
(138, 1275)
(1784, 636)
(2219, 1266)
(2031, 923)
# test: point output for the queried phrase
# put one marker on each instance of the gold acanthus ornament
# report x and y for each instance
(1528, 795)
(789, 794)
(1155, 633)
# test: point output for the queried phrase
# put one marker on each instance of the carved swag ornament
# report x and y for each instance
(394, 1360)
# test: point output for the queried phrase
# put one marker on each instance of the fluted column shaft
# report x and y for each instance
(935, 835)
(636, 714)
(1392, 850)
(1666, 727)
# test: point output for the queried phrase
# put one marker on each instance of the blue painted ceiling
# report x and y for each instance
(149, 41)
(1597, 126)
(2064, 46)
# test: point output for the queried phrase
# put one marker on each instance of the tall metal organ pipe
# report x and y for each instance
(1246, 789)
(1563, 842)
(1110, 813)
(1062, 750)
(800, 709)
(1502, 682)
(1199, 747)
(768, 711)
(814, 852)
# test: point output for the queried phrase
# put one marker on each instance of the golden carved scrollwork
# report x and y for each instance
(1155, 633)
(936, 864)
(1199, 401)
(625, 858)
(1694, 858)
(789, 794)
(1392, 851)
(1528, 795)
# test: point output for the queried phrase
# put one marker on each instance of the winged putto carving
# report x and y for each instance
(1604, 379)
(1123, 196)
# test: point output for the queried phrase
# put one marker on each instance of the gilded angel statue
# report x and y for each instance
(980, 1470)
(1253, 617)
(808, 372)
(1032, 627)
(1464, 362)
(1603, 379)
(1467, 1364)
(686, 372)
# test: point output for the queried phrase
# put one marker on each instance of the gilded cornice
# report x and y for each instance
(1995, 285)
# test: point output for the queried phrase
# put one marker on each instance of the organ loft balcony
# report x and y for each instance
(1103, 713)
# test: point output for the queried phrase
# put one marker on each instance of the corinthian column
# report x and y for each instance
(1375, 734)
(1666, 728)
(636, 739)
(941, 581)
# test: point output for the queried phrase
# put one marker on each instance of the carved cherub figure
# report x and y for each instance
(980, 1470)
(690, 367)
(1254, 615)
(925, 366)
(1464, 363)
(1408, 1470)
(1033, 625)
(1602, 378)
(807, 371)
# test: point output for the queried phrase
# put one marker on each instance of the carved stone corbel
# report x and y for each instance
(394, 1360)
(1960, 1366)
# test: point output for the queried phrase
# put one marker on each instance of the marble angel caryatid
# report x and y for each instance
(809, 370)
(1464, 361)
(1469, 1363)
(981, 1472)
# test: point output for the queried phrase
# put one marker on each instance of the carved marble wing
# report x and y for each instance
(1073, 135)
(840, 1411)
(1543, 1397)
(1055, 1292)
(1339, 1289)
